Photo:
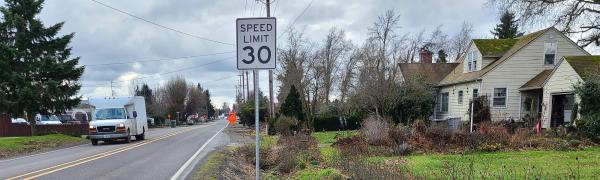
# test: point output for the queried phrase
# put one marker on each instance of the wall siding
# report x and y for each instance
(455, 109)
(520, 68)
(488, 60)
(562, 80)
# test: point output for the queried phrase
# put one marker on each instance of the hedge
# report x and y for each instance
(332, 122)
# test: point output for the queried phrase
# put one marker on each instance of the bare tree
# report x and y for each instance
(377, 73)
(334, 48)
(348, 75)
(461, 41)
(438, 40)
(194, 102)
(293, 60)
(569, 16)
(176, 91)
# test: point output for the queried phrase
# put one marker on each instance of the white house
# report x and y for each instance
(558, 94)
(512, 73)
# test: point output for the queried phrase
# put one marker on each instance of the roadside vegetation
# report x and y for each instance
(11, 146)
(379, 127)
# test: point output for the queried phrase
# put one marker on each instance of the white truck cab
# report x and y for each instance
(116, 118)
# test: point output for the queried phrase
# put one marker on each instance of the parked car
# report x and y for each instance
(190, 120)
(46, 119)
(67, 119)
(151, 122)
(19, 121)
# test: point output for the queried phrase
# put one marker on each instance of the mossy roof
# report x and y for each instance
(431, 72)
(494, 47)
(537, 82)
(457, 76)
(584, 65)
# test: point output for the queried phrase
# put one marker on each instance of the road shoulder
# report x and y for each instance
(219, 163)
(18, 147)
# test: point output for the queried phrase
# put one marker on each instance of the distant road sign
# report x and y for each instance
(256, 43)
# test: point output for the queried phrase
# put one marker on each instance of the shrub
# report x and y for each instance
(589, 93)
(247, 152)
(493, 133)
(521, 138)
(376, 131)
(296, 152)
(481, 112)
(399, 134)
(592, 126)
(284, 125)
(352, 146)
(402, 149)
(439, 136)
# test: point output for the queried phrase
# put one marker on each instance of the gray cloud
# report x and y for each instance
(104, 35)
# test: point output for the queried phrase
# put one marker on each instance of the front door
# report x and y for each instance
(562, 106)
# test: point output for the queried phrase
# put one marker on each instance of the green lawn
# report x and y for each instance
(317, 173)
(328, 137)
(15, 145)
(581, 164)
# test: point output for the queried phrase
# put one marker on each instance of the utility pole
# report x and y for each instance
(271, 102)
(112, 92)
(247, 87)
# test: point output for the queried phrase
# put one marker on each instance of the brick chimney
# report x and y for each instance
(425, 55)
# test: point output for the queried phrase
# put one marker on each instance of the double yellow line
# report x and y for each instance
(59, 167)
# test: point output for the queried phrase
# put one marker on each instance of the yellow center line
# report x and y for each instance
(66, 165)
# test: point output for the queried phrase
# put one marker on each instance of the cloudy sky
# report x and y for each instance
(105, 36)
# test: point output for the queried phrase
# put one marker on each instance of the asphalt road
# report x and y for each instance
(167, 153)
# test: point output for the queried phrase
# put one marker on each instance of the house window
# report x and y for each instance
(474, 61)
(550, 52)
(475, 93)
(469, 66)
(444, 102)
(499, 97)
(460, 97)
(471, 61)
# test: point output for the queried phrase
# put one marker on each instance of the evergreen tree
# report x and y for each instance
(292, 106)
(209, 107)
(147, 93)
(442, 56)
(507, 28)
(43, 76)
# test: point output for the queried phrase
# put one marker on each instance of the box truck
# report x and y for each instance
(115, 118)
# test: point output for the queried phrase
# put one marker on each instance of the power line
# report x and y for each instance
(157, 60)
(159, 25)
(296, 19)
(169, 72)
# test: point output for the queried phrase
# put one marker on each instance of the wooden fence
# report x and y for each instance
(7, 128)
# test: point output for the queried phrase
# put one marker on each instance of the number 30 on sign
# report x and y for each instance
(256, 43)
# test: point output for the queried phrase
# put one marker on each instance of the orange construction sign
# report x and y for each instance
(232, 118)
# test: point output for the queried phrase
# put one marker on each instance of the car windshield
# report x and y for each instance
(49, 118)
(110, 113)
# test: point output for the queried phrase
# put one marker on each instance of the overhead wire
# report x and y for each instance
(158, 60)
(165, 73)
(160, 25)
(296, 19)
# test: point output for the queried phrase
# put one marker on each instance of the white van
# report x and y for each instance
(116, 118)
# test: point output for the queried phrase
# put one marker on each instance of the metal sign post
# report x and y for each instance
(256, 49)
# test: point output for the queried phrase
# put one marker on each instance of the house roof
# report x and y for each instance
(494, 47)
(537, 82)
(457, 75)
(431, 72)
(584, 65)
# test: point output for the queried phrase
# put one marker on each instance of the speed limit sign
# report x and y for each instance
(256, 43)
